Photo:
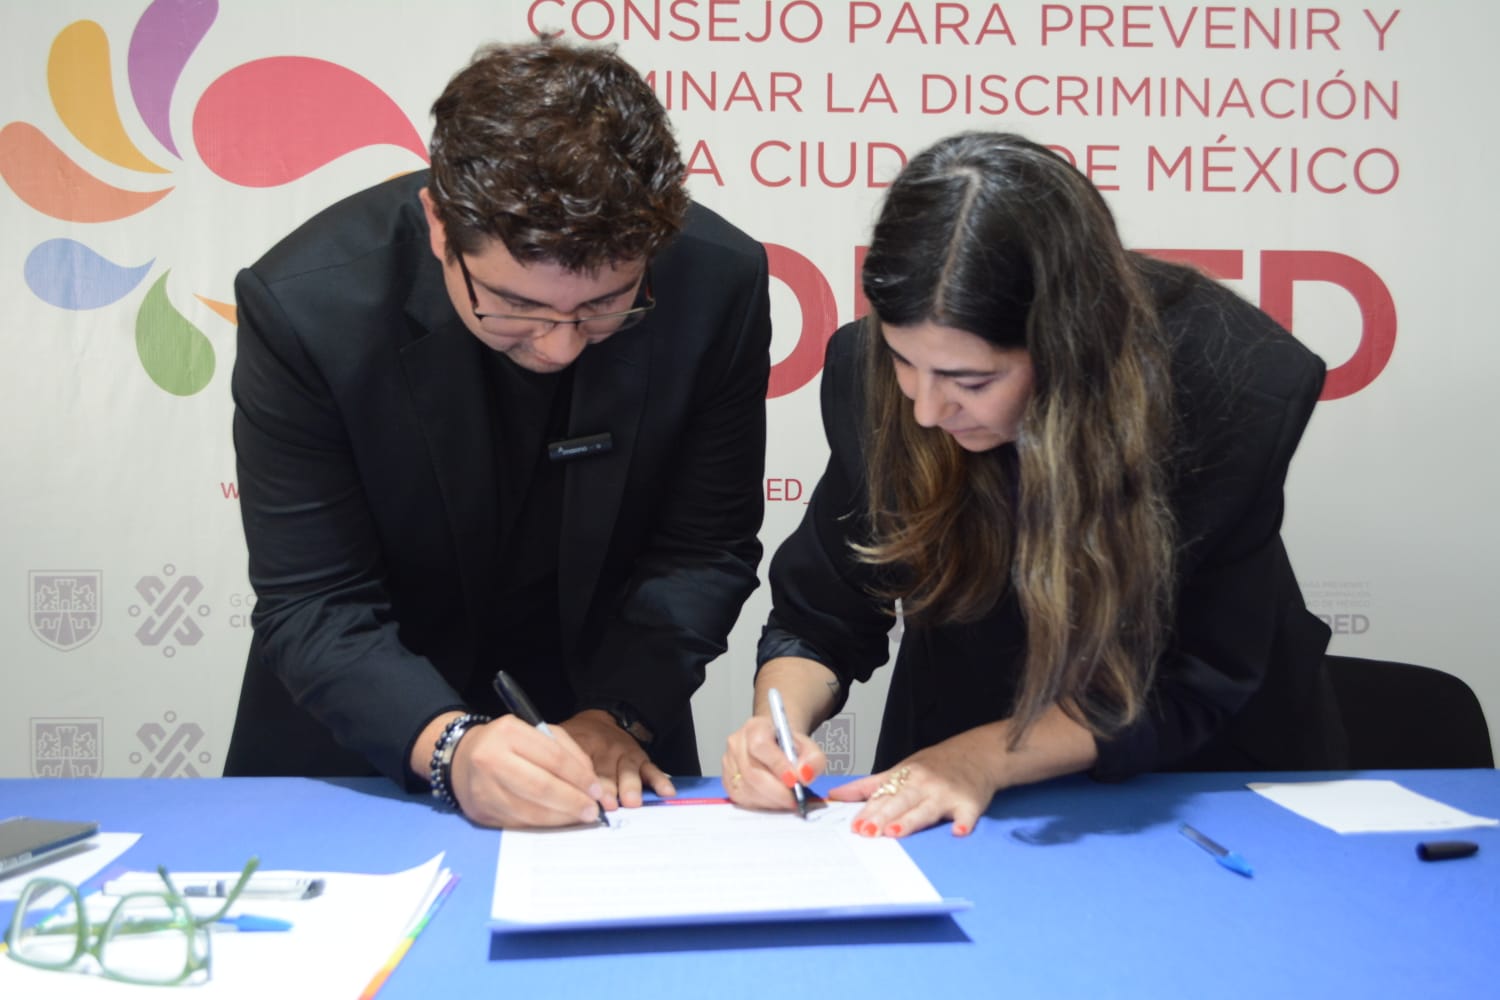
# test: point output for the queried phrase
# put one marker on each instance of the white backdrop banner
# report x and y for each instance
(1326, 160)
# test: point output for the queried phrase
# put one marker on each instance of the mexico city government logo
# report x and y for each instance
(65, 611)
(836, 738)
(168, 611)
(66, 748)
(170, 753)
(261, 124)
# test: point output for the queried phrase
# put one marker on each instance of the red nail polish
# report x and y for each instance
(959, 830)
(807, 773)
(894, 830)
(788, 778)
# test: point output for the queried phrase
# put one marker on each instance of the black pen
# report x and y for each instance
(515, 699)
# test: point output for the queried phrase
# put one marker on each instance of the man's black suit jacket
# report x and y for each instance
(368, 490)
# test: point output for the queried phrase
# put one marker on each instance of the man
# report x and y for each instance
(508, 413)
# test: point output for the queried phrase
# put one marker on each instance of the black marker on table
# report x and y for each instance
(515, 699)
(1446, 850)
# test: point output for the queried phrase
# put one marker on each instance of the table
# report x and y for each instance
(1080, 889)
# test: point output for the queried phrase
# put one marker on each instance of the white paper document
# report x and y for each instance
(339, 942)
(1363, 805)
(677, 864)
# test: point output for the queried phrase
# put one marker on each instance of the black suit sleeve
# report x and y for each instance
(687, 585)
(822, 608)
(323, 620)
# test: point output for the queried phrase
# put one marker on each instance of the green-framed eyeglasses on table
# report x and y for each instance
(149, 938)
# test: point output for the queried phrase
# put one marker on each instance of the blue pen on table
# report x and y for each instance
(515, 699)
(1222, 854)
(788, 745)
(248, 923)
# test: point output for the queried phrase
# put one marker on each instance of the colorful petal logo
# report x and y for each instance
(262, 124)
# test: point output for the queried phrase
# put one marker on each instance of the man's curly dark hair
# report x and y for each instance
(561, 152)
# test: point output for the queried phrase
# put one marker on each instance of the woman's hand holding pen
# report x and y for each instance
(756, 771)
(509, 774)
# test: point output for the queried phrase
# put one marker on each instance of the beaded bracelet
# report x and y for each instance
(440, 773)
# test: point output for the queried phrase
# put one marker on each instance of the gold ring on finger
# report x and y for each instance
(893, 784)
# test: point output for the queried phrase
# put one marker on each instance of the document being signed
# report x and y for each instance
(674, 864)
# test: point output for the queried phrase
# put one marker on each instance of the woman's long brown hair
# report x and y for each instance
(994, 235)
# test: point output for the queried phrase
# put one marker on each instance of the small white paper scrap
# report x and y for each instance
(1367, 806)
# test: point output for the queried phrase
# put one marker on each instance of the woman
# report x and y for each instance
(1065, 462)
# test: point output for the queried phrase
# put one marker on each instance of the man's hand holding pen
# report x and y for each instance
(518, 771)
(507, 773)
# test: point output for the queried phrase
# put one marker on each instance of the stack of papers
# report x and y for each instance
(343, 942)
(669, 863)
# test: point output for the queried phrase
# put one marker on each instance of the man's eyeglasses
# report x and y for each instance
(148, 938)
(588, 324)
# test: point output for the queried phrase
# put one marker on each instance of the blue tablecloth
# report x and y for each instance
(1080, 889)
